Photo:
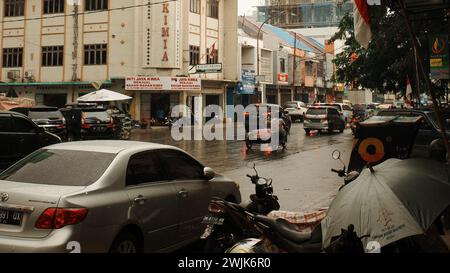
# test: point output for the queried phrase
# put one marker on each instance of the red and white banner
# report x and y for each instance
(361, 18)
(163, 83)
(409, 94)
(283, 78)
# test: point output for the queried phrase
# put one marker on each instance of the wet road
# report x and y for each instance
(224, 156)
(301, 174)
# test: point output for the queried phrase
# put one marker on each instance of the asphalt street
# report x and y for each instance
(301, 174)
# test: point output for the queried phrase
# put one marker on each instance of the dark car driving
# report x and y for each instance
(97, 123)
(20, 136)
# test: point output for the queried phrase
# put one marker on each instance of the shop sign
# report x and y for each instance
(208, 68)
(247, 84)
(283, 78)
(439, 62)
(163, 83)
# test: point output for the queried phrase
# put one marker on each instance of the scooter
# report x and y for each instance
(227, 222)
(281, 236)
(265, 135)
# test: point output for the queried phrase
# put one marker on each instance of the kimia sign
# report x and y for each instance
(165, 33)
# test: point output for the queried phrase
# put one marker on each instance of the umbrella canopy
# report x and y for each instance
(401, 198)
(103, 95)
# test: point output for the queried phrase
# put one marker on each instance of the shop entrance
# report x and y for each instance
(161, 105)
(212, 100)
(54, 100)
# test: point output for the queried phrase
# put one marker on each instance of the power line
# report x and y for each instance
(87, 12)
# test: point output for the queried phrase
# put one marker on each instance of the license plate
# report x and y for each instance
(13, 218)
(99, 129)
(212, 220)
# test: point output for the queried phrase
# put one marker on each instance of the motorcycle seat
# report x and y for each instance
(286, 229)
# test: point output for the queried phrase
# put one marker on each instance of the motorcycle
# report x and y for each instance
(227, 222)
(265, 135)
(354, 124)
(281, 236)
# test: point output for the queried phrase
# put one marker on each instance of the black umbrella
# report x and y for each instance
(400, 198)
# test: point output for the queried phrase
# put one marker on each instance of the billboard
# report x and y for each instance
(439, 67)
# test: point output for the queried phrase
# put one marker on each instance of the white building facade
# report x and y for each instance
(52, 50)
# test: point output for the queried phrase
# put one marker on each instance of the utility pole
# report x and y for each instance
(294, 65)
(75, 42)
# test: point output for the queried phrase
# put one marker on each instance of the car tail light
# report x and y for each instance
(56, 218)
(62, 126)
(86, 126)
(110, 125)
(215, 208)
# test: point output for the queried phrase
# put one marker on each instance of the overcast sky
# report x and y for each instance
(245, 6)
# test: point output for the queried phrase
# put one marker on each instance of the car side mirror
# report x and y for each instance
(209, 173)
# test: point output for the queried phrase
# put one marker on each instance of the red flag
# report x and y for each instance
(213, 51)
(409, 97)
(361, 18)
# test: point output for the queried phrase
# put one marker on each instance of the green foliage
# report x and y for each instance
(389, 60)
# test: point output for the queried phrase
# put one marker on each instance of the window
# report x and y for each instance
(14, 8)
(212, 57)
(332, 111)
(347, 108)
(54, 6)
(213, 8)
(182, 166)
(195, 6)
(95, 54)
(282, 65)
(23, 126)
(145, 168)
(56, 167)
(13, 57)
(194, 55)
(90, 5)
(5, 124)
(52, 55)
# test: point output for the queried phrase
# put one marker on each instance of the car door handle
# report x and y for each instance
(183, 193)
(139, 200)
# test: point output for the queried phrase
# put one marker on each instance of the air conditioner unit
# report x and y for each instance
(29, 74)
(13, 75)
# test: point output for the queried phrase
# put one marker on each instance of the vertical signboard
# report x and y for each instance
(247, 85)
(162, 34)
(439, 63)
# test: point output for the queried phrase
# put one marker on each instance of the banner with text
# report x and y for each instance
(163, 83)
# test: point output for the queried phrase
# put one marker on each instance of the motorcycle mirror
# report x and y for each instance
(336, 155)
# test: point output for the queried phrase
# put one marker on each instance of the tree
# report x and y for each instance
(389, 60)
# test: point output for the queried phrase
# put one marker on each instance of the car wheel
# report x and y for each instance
(341, 130)
(126, 243)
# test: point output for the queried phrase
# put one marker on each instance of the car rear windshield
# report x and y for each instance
(101, 115)
(291, 105)
(317, 111)
(45, 114)
(59, 167)
(445, 115)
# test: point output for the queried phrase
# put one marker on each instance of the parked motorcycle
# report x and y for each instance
(227, 222)
(281, 236)
(124, 125)
(348, 176)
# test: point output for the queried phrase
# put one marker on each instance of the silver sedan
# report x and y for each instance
(106, 196)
